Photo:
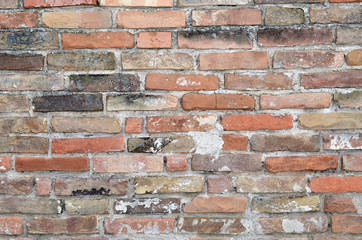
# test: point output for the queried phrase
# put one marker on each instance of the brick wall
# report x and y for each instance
(180, 119)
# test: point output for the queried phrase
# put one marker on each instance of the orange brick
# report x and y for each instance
(176, 163)
(5, 163)
(226, 17)
(134, 125)
(57, 3)
(51, 164)
(298, 100)
(234, 142)
(11, 226)
(336, 184)
(154, 40)
(251, 122)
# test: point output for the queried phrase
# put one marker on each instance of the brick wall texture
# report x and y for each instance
(180, 119)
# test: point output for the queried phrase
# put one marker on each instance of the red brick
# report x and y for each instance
(139, 225)
(216, 205)
(347, 224)
(230, 61)
(301, 163)
(125, 164)
(16, 186)
(339, 204)
(354, 57)
(43, 186)
(194, 101)
(336, 184)
(154, 40)
(136, 3)
(97, 40)
(181, 123)
(251, 122)
(11, 226)
(297, 100)
(19, 20)
(84, 145)
(9, 4)
(51, 164)
(156, 19)
(5, 163)
(308, 59)
(332, 79)
(88, 19)
(226, 17)
(21, 62)
(343, 1)
(134, 125)
(219, 184)
(352, 162)
(342, 141)
(258, 81)
(234, 142)
(56, 3)
(176, 163)
(181, 82)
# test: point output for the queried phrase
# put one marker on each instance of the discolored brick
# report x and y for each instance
(339, 204)
(29, 40)
(347, 224)
(139, 225)
(258, 81)
(19, 20)
(54, 3)
(349, 35)
(332, 79)
(226, 17)
(297, 100)
(219, 184)
(14, 103)
(176, 163)
(24, 82)
(335, 14)
(284, 16)
(349, 100)
(91, 125)
(5, 163)
(286, 204)
(185, 3)
(23, 125)
(16, 186)
(11, 225)
(343, 141)
(181, 123)
(211, 225)
(127, 164)
(29, 206)
(265, 184)
(172, 144)
(141, 102)
(216, 205)
(147, 206)
(331, 120)
(352, 162)
(354, 57)
(21, 62)
(84, 19)
(23, 144)
(87, 206)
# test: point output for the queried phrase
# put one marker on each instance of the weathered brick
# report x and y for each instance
(216, 205)
(24, 144)
(343, 141)
(272, 37)
(214, 40)
(81, 61)
(128, 164)
(136, 3)
(187, 184)
(251, 122)
(236, 60)
(19, 20)
(332, 79)
(43, 186)
(354, 57)
(55, 3)
(23, 125)
(5, 163)
(210, 225)
(9, 4)
(226, 17)
(346, 224)
(16, 82)
(234, 142)
(181, 82)
(227, 163)
(165, 60)
(264, 184)
(147, 205)
(339, 204)
(196, 101)
(91, 125)
(287, 1)
(51, 164)
(11, 225)
(219, 184)
(29, 40)
(286, 204)
(141, 102)
(352, 162)
(62, 103)
(284, 16)
(259, 81)
(297, 100)
(84, 145)
(87, 206)
(317, 224)
(336, 184)
(307, 59)
(139, 225)
(134, 125)
(87, 19)
(21, 62)
(331, 120)
(210, 2)
(335, 14)
(154, 40)
(172, 144)
(97, 40)
(104, 83)
(14, 103)
(301, 163)
(65, 225)
(29, 206)
(80, 238)
(181, 123)
(156, 19)
(176, 163)
(293, 143)
(90, 186)
(349, 35)
(16, 186)
(349, 100)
